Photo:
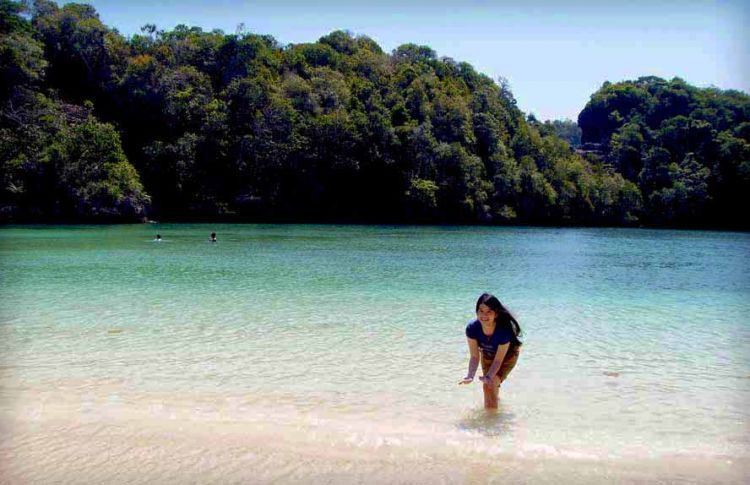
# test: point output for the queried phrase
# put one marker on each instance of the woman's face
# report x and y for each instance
(485, 314)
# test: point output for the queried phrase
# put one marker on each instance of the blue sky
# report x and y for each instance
(555, 54)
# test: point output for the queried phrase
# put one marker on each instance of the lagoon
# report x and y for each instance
(327, 351)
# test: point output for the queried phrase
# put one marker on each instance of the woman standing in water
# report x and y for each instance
(493, 339)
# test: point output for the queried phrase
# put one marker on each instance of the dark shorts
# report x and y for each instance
(509, 362)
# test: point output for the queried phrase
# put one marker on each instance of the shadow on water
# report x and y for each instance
(488, 422)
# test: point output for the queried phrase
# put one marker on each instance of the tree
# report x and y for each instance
(76, 47)
(626, 146)
(95, 180)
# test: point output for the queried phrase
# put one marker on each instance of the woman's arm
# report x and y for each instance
(496, 363)
(473, 361)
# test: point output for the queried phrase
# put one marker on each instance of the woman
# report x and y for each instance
(493, 339)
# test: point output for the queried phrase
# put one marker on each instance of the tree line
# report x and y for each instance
(189, 124)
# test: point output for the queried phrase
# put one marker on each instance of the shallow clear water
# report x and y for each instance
(636, 341)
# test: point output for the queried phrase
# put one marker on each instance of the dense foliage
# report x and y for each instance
(57, 160)
(688, 149)
(215, 125)
(568, 130)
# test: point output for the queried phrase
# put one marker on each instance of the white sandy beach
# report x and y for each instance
(146, 441)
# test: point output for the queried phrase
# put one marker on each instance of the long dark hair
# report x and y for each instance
(504, 317)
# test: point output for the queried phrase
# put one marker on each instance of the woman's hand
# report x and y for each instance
(465, 380)
(486, 380)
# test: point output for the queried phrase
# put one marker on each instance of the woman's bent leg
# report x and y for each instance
(491, 392)
(508, 364)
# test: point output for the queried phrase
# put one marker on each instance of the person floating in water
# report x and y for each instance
(212, 237)
(157, 238)
(493, 340)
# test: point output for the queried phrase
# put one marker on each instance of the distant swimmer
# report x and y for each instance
(212, 237)
(493, 339)
(157, 238)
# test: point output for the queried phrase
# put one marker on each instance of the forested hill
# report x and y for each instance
(188, 124)
(688, 149)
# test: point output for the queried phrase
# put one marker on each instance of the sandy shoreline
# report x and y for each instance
(58, 449)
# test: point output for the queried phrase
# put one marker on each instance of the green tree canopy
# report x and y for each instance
(189, 123)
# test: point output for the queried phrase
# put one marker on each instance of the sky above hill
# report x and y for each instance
(555, 54)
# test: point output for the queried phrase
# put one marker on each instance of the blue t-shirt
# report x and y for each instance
(488, 344)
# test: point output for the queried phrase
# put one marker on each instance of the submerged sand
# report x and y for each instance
(139, 447)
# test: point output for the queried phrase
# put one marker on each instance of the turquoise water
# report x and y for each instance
(636, 340)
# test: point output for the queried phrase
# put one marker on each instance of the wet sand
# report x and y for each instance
(60, 448)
